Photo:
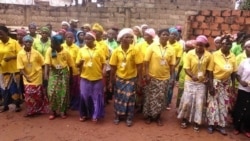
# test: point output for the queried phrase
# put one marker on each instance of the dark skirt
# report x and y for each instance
(124, 96)
(241, 113)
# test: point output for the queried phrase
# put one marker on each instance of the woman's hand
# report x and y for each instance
(243, 83)
(194, 78)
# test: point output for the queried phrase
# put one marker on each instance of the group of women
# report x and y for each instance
(137, 66)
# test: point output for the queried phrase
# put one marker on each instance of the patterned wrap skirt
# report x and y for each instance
(192, 102)
(155, 93)
(58, 89)
(36, 101)
(217, 109)
(124, 97)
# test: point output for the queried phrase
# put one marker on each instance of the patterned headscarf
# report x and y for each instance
(91, 34)
(21, 32)
(123, 32)
(173, 30)
(191, 43)
(202, 39)
(45, 29)
(32, 25)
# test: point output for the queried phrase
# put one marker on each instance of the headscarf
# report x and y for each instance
(202, 39)
(69, 34)
(87, 25)
(57, 39)
(77, 38)
(173, 30)
(62, 31)
(21, 32)
(91, 34)
(97, 27)
(32, 25)
(65, 23)
(191, 43)
(144, 25)
(123, 32)
(247, 43)
(27, 38)
(4, 29)
(179, 28)
(45, 29)
(139, 28)
(151, 32)
(218, 38)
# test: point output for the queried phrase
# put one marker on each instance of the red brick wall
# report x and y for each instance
(214, 23)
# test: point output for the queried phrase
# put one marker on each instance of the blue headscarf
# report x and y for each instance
(27, 38)
(57, 39)
(173, 30)
(77, 38)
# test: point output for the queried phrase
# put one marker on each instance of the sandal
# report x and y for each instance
(28, 115)
(236, 132)
(63, 116)
(247, 134)
(184, 125)
(148, 121)
(196, 128)
(51, 117)
(210, 129)
(94, 120)
(222, 130)
(116, 121)
(82, 119)
(129, 122)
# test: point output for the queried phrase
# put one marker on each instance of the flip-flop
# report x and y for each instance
(51, 117)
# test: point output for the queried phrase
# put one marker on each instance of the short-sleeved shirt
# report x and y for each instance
(62, 59)
(41, 47)
(126, 62)
(223, 66)
(94, 60)
(198, 66)
(9, 49)
(73, 51)
(31, 62)
(236, 49)
(103, 46)
(244, 73)
(160, 59)
(177, 48)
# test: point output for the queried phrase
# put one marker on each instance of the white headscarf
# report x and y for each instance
(247, 43)
(123, 32)
(65, 23)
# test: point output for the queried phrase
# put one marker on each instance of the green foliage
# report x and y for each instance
(245, 5)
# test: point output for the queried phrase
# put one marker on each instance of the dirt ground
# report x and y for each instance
(15, 127)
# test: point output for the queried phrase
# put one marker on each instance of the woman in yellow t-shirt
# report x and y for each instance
(159, 64)
(74, 87)
(30, 63)
(125, 62)
(91, 61)
(196, 65)
(58, 71)
(223, 68)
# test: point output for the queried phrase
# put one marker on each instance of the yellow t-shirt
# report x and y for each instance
(197, 66)
(177, 48)
(9, 49)
(160, 59)
(62, 59)
(103, 46)
(73, 51)
(94, 60)
(223, 66)
(31, 63)
(126, 62)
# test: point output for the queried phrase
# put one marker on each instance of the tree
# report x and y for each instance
(245, 5)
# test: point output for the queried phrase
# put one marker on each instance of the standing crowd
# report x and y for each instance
(138, 67)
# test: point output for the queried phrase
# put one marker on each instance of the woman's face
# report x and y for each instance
(65, 27)
(19, 36)
(89, 40)
(200, 47)
(172, 37)
(147, 37)
(44, 34)
(32, 29)
(188, 48)
(247, 48)
(28, 45)
(98, 34)
(164, 36)
(127, 39)
(226, 46)
(136, 32)
(69, 39)
(3, 35)
(217, 44)
(81, 36)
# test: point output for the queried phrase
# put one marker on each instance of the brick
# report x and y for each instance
(214, 26)
(216, 13)
(245, 13)
(216, 33)
(229, 20)
(206, 12)
(219, 20)
(207, 32)
(195, 24)
(204, 25)
(200, 18)
(236, 13)
(247, 20)
(235, 27)
(226, 13)
(198, 32)
(224, 27)
(209, 19)
(240, 20)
